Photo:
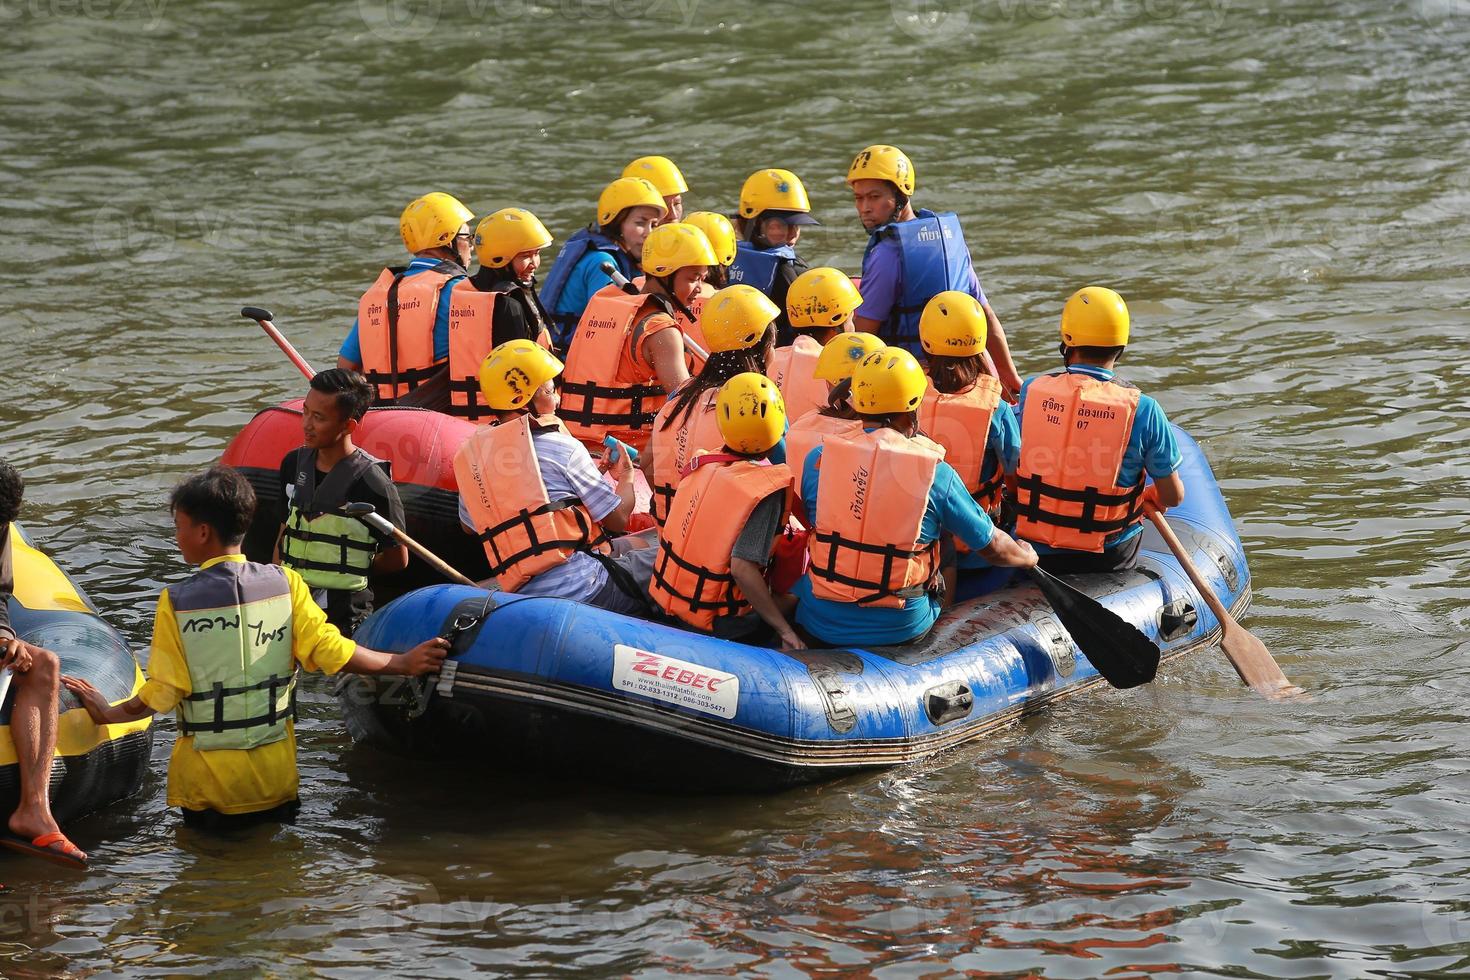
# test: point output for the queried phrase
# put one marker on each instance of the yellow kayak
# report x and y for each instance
(93, 767)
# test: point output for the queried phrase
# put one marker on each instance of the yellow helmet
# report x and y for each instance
(736, 317)
(506, 233)
(769, 189)
(750, 413)
(953, 324)
(511, 373)
(718, 230)
(887, 382)
(628, 192)
(431, 221)
(842, 354)
(883, 162)
(1095, 316)
(821, 297)
(660, 172)
(675, 246)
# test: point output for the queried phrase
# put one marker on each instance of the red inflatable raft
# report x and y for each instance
(419, 443)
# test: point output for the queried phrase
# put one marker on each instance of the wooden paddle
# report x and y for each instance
(369, 515)
(1122, 653)
(264, 318)
(1248, 655)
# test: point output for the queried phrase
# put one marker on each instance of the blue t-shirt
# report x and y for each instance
(352, 346)
(882, 283)
(1152, 448)
(586, 278)
(1004, 439)
(950, 508)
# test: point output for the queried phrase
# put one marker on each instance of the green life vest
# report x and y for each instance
(328, 550)
(235, 622)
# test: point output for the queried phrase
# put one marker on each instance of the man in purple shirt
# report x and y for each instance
(911, 257)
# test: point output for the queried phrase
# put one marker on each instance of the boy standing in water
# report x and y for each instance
(226, 644)
(332, 553)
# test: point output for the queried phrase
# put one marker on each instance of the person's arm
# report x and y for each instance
(349, 358)
(664, 352)
(426, 658)
(1000, 353)
(1005, 551)
(879, 289)
(862, 324)
(7, 583)
(97, 707)
(1161, 455)
(394, 556)
(276, 549)
(621, 470)
(751, 579)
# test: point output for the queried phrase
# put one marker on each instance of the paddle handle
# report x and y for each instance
(1177, 546)
(263, 317)
(383, 526)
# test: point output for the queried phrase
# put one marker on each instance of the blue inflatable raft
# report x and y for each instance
(565, 688)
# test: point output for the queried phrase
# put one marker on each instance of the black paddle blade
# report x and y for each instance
(1122, 654)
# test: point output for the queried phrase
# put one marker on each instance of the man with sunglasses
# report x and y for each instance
(401, 337)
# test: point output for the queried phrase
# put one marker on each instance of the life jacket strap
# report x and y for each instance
(696, 602)
(219, 692)
(1032, 493)
(890, 553)
(589, 392)
(589, 535)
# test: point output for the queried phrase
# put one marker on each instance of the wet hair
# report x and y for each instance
(12, 489)
(952, 374)
(1094, 353)
(721, 367)
(219, 497)
(353, 393)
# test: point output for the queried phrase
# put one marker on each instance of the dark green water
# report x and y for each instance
(1280, 191)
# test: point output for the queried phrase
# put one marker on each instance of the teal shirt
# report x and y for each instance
(1003, 447)
(1152, 448)
(586, 278)
(950, 508)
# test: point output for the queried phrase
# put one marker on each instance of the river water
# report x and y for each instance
(1280, 191)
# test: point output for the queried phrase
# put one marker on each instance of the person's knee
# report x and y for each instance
(45, 667)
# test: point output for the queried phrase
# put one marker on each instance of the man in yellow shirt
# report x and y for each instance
(226, 645)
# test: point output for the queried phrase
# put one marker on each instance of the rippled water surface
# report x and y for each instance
(1281, 192)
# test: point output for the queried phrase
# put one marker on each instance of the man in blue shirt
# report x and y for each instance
(879, 506)
(435, 228)
(1087, 439)
(911, 257)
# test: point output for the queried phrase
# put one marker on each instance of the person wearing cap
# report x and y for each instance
(629, 349)
(739, 330)
(819, 306)
(1088, 440)
(773, 210)
(879, 500)
(713, 552)
(963, 411)
(627, 210)
(911, 256)
(399, 352)
(662, 174)
(839, 358)
(722, 238)
(497, 304)
(533, 496)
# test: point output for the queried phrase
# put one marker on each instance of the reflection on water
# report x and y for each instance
(1280, 192)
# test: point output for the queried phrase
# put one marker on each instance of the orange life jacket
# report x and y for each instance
(524, 531)
(1074, 433)
(691, 575)
(673, 448)
(472, 336)
(871, 495)
(960, 422)
(606, 389)
(395, 327)
(807, 433)
(792, 369)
